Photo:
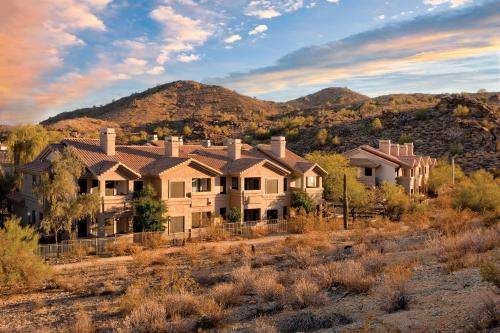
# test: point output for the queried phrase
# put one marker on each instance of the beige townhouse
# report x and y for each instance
(393, 163)
(196, 181)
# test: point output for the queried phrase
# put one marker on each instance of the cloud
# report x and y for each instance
(397, 48)
(333, 1)
(233, 38)
(258, 29)
(265, 9)
(181, 33)
(381, 17)
(188, 57)
(452, 3)
(35, 35)
(156, 70)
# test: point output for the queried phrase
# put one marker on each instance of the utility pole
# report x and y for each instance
(453, 170)
(346, 205)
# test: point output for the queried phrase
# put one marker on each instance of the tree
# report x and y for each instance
(234, 215)
(187, 131)
(301, 199)
(479, 192)
(58, 189)
(376, 124)
(336, 140)
(441, 177)
(322, 137)
(19, 261)
(405, 138)
(149, 211)
(461, 111)
(337, 165)
(395, 200)
(25, 142)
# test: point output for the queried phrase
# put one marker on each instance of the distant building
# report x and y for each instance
(196, 182)
(393, 163)
(5, 162)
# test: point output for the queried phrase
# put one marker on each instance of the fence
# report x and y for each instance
(100, 245)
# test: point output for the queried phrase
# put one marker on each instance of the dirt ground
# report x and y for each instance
(439, 298)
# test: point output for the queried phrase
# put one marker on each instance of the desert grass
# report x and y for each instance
(306, 293)
(82, 323)
(394, 292)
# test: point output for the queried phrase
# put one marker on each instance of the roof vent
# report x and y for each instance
(206, 143)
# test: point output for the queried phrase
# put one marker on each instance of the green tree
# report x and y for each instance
(25, 142)
(149, 211)
(337, 165)
(441, 177)
(479, 192)
(461, 111)
(395, 200)
(234, 215)
(187, 131)
(405, 138)
(336, 140)
(19, 262)
(59, 190)
(322, 137)
(376, 124)
(301, 199)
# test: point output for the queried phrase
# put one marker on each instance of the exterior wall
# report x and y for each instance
(385, 172)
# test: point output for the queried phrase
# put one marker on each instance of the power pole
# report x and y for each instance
(453, 170)
(346, 205)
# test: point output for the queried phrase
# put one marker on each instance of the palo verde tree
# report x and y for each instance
(149, 211)
(301, 199)
(441, 177)
(394, 199)
(59, 191)
(337, 165)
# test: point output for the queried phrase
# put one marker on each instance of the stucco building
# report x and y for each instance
(196, 182)
(393, 163)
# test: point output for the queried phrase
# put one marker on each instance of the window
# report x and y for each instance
(177, 190)
(95, 185)
(33, 217)
(82, 186)
(110, 188)
(252, 184)
(223, 185)
(271, 186)
(34, 180)
(285, 184)
(222, 212)
(411, 172)
(235, 183)
(285, 212)
(201, 185)
(272, 214)
(200, 219)
(176, 224)
(368, 172)
(311, 181)
(138, 185)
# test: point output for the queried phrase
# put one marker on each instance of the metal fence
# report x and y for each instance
(98, 246)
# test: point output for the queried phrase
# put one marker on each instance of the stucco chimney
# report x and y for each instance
(107, 138)
(206, 143)
(152, 137)
(234, 149)
(395, 149)
(172, 146)
(385, 146)
(409, 146)
(278, 146)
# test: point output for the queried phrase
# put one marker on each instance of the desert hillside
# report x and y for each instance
(333, 119)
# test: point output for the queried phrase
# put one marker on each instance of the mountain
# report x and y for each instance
(199, 111)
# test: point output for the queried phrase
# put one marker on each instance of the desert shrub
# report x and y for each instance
(395, 289)
(215, 233)
(64, 282)
(262, 133)
(175, 280)
(373, 262)
(422, 114)
(456, 148)
(405, 138)
(180, 305)
(301, 199)
(307, 321)
(122, 248)
(82, 323)
(302, 257)
(461, 111)
(395, 200)
(211, 314)
(19, 263)
(321, 137)
(336, 140)
(227, 294)
(449, 221)
(244, 277)
(349, 274)
(490, 271)
(265, 325)
(486, 318)
(234, 215)
(187, 131)
(440, 177)
(147, 317)
(134, 296)
(480, 192)
(267, 288)
(306, 293)
(376, 124)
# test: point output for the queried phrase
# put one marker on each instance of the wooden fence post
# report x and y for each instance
(346, 204)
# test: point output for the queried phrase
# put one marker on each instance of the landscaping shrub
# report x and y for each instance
(480, 192)
(301, 199)
(234, 215)
(19, 263)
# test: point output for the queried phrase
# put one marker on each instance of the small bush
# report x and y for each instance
(480, 192)
(349, 274)
(134, 296)
(394, 291)
(490, 271)
(321, 137)
(122, 248)
(395, 200)
(301, 199)
(306, 321)
(82, 323)
(212, 314)
(461, 111)
(376, 124)
(306, 293)
(405, 138)
(227, 294)
(147, 317)
(180, 305)
(234, 215)
(267, 288)
(373, 262)
(19, 263)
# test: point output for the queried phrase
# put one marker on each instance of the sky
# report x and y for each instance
(59, 55)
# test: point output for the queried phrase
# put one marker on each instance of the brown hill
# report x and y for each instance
(332, 97)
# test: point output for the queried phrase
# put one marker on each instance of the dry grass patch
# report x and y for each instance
(490, 271)
(180, 306)
(82, 323)
(306, 293)
(134, 296)
(307, 321)
(349, 274)
(373, 262)
(147, 317)
(394, 290)
(212, 314)
(227, 294)
(122, 247)
(268, 288)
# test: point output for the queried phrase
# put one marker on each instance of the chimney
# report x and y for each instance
(172, 144)
(108, 141)
(403, 150)
(409, 147)
(234, 149)
(152, 137)
(385, 146)
(206, 143)
(394, 149)
(278, 146)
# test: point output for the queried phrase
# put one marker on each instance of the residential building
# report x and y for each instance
(5, 162)
(392, 163)
(196, 181)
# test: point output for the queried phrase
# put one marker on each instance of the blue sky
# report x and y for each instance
(59, 55)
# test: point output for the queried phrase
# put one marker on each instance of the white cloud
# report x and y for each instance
(452, 3)
(264, 13)
(381, 17)
(333, 1)
(232, 39)
(156, 70)
(188, 57)
(258, 29)
(265, 9)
